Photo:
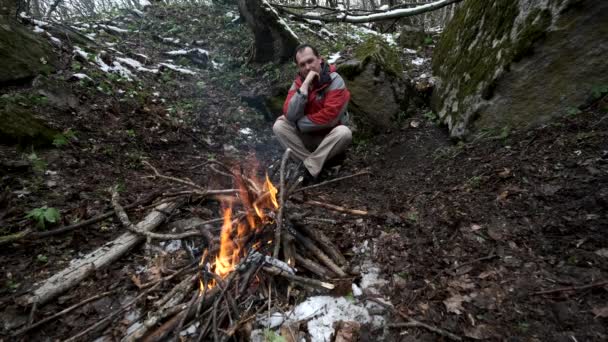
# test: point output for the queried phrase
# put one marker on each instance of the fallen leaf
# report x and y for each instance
(600, 312)
(454, 303)
(505, 173)
(415, 123)
(480, 332)
(503, 196)
(475, 227)
(602, 252)
(486, 274)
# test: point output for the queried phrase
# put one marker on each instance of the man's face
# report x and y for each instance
(307, 61)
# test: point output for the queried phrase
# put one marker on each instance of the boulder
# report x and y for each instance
(379, 92)
(19, 125)
(518, 63)
(23, 55)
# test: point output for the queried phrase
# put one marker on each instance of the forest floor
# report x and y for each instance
(468, 235)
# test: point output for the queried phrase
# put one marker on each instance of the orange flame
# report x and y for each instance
(232, 248)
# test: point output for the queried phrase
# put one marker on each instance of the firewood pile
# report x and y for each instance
(247, 262)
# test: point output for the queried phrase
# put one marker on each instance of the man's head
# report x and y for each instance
(307, 58)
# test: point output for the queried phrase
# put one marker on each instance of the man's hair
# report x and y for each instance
(301, 47)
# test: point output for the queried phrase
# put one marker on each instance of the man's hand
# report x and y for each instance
(307, 81)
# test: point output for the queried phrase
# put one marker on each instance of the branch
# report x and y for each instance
(339, 16)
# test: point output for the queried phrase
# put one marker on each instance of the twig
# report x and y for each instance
(413, 322)
(297, 279)
(29, 234)
(63, 312)
(331, 181)
(573, 288)
(337, 208)
(279, 227)
(325, 242)
(124, 219)
(112, 315)
(317, 252)
(174, 179)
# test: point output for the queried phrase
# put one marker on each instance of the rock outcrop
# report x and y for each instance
(23, 55)
(518, 63)
(379, 92)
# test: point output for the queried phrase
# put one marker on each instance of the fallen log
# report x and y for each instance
(96, 260)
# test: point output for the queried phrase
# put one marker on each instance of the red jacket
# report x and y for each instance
(327, 97)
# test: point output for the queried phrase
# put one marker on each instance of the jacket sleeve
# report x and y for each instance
(294, 105)
(336, 100)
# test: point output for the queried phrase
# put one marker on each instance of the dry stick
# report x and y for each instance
(289, 250)
(313, 267)
(80, 268)
(279, 227)
(318, 253)
(63, 312)
(174, 179)
(331, 181)
(337, 208)
(325, 242)
(124, 219)
(112, 315)
(573, 288)
(36, 235)
(411, 323)
(297, 279)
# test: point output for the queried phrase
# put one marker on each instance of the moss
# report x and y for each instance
(487, 24)
(22, 54)
(379, 52)
(533, 29)
(350, 69)
(19, 126)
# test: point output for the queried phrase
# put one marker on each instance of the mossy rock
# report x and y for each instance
(23, 55)
(411, 38)
(377, 51)
(379, 95)
(512, 63)
(18, 125)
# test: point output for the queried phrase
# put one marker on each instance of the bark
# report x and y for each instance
(273, 39)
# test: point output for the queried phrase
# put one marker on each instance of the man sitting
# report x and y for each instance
(313, 124)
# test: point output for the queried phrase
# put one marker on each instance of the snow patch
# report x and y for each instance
(323, 311)
(82, 76)
(38, 29)
(333, 58)
(78, 51)
(178, 69)
(418, 61)
(114, 29)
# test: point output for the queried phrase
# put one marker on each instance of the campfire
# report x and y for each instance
(256, 261)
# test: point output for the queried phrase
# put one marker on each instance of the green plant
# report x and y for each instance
(599, 90)
(431, 116)
(572, 111)
(64, 138)
(44, 215)
(38, 164)
(41, 258)
(428, 40)
(271, 336)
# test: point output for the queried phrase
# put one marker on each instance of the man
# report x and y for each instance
(313, 124)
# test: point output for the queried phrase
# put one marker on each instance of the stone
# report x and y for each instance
(379, 91)
(23, 55)
(518, 63)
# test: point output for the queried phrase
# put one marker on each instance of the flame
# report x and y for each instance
(234, 235)
(223, 262)
(272, 190)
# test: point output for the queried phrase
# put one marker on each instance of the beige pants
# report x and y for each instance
(323, 147)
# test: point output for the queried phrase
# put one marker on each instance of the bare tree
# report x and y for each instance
(273, 39)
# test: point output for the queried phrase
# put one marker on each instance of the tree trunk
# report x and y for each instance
(274, 40)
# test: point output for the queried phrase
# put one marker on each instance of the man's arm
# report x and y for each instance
(294, 105)
(336, 100)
